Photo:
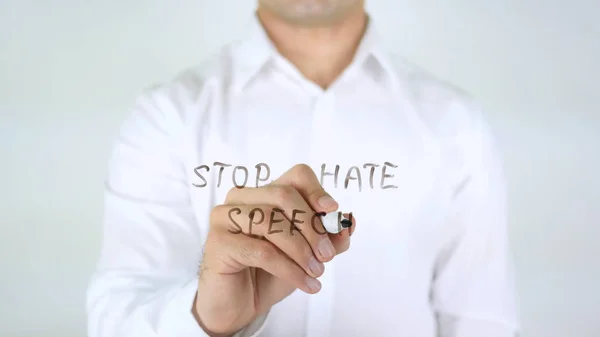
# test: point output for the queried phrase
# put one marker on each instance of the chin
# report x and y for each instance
(311, 12)
(314, 12)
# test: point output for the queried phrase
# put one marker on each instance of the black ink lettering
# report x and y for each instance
(223, 166)
(197, 171)
(245, 176)
(314, 224)
(349, 177)
(258, 169)
(371, 172)
(238, 211)
(335, 174)
(383, 175)
(251, 218)
(295, 221)
(272, 221)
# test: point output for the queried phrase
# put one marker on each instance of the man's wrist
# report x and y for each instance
(206, 330)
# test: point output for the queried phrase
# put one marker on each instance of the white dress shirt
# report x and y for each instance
(429, 256)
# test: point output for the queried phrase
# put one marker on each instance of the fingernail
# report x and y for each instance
(313, 284)
(315, 266)
(326, 248)
(327, 202)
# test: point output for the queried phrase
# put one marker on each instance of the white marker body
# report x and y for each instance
(331, 222)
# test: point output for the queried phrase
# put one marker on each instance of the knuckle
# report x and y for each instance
(215, 214)
(302, 170)
(284, 194)
(264, 251)
(213, 239)
(231, 194)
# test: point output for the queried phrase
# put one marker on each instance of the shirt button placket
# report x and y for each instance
(322, 116)
(320, 305)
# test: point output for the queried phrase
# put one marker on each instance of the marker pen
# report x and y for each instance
(334, 223)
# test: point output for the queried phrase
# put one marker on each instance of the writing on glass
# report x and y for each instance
(298, 217)
(377, 175)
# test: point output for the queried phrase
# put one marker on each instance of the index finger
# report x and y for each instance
(304, 179)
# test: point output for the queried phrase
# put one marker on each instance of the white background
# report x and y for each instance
(70, 69)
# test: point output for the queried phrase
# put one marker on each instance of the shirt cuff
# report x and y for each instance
(178, 320)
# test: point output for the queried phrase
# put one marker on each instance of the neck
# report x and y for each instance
(320, 53)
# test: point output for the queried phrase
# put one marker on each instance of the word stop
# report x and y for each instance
(262, 173)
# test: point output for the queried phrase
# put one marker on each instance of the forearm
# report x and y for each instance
(138, 304)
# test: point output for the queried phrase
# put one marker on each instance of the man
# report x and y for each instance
(210, 226)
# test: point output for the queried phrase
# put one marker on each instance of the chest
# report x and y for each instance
(373, 157)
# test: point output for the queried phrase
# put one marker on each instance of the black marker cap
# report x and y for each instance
(346, 223)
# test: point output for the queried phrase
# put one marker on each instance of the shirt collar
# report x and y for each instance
(256, 50)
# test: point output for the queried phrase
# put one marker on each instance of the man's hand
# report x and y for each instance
(259, 258)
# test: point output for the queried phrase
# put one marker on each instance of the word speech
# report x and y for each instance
(240, 175)
(293, 221)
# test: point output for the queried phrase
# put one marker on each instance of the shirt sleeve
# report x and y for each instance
(473, 289)
(146, 280)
